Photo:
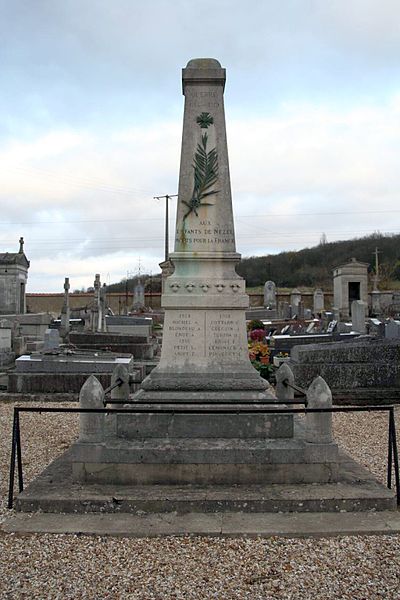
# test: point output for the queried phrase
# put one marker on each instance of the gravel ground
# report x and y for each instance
(83, 567)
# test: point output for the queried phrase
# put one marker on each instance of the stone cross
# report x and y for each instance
(103, 307)
(21, 245)
(65, 311)
(96, 309)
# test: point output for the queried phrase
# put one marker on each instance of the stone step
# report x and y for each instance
(55, 492)
(231, 524)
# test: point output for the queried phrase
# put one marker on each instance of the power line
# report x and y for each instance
(237, 217)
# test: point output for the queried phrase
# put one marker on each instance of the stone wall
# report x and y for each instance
(117, 301)
(362, 370)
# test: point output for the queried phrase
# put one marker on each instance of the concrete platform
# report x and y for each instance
(220, 524)
(55, 492)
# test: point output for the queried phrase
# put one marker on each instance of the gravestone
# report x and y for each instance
(358, 311)
(5, 339)
(376, 327)
(51, 340)
(138, 296)
(96, 322)
(65, 311)
(376, 302)
(318, 304)
(392, 329)
(295, 299)
(270, 295)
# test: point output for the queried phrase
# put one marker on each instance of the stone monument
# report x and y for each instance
(270, 295)
(350, 283)
(65, 311)
(204, 369)
(358, 312)
(204, 349)
(138, 296)
(318, 303)
(295, 299)
(95, 310)
(13, 277)
(192, 425)
(102, 308)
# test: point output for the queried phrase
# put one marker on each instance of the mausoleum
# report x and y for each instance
(350, 283)
(13, 277)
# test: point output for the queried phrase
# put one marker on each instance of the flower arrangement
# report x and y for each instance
(258, 351)
(257, 334)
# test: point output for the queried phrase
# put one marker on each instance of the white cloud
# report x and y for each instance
(83, 197)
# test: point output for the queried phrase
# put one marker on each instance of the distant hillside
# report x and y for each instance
(312, 267)
(152, 283)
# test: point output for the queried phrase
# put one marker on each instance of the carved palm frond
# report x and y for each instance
(205, 165)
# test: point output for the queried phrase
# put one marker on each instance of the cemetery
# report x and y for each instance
(235, 415)
(234, 421)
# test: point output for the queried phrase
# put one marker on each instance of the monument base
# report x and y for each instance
(204, 462)
(54, 491)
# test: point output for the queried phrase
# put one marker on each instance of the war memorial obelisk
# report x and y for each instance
(204, 351)
(193, 424)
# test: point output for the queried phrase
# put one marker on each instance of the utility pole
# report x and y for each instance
(376, 278)
(166, 240)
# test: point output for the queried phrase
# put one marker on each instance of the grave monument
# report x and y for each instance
(270, 295)
(144, 458)
(350, 283)
(318, 301)
(204, 349)
(204, 361)
(13, 277)
(65, 311)
(138, 296)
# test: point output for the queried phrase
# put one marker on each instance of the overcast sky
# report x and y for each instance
(91, 116)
